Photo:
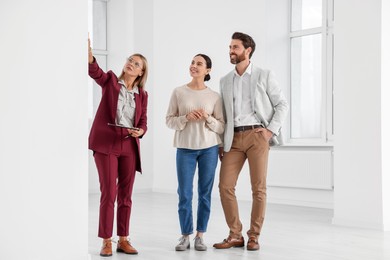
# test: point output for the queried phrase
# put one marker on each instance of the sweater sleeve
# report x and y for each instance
(216, 120)
(172, 119)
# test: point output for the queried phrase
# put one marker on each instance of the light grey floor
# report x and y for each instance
(289, 233)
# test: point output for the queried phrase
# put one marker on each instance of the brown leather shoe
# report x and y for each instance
(106, 248)
(253, 244)
(125, 247)
(230, 242)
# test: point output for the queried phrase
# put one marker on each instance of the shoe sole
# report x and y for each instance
(227, 247)
(179, 249)
(103, 255)
(121, 251)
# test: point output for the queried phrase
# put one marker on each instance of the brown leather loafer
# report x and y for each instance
(230, 242)
(106, 248)
(253, 244)
(125, 247)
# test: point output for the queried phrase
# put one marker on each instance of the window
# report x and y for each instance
(311, 61)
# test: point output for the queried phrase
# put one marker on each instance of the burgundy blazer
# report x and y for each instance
(102, 136)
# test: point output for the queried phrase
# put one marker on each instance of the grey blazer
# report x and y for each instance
(268, 102)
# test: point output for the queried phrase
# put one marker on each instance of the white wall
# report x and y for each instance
(143, 43)
(126, 29)
(183, 29)
(385, 104)
(43, 134)
(357, 151)
(120, 33)
(169, 34)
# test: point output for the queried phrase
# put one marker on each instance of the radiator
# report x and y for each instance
(301, 169)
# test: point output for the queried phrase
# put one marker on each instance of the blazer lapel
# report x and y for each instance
(137, 108)
(115, 96)
(228, 89)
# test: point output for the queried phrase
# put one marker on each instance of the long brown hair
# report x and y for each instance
(140, 80)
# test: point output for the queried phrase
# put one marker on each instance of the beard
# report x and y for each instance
(237, 58)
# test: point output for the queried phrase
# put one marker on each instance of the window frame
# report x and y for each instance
(327, 90)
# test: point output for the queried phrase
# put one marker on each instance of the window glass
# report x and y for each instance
(306, 86)
(99, 25)
(306, 14)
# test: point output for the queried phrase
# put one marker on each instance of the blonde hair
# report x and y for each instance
(140, 80)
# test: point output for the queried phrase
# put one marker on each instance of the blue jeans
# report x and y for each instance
(186, 160)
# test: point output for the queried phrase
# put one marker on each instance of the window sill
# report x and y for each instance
(304, 145)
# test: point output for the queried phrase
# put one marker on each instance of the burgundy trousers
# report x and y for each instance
(116, 176)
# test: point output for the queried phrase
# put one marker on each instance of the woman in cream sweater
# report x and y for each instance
(195, 113)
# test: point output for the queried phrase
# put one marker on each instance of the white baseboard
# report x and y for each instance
(142, 190)
(301, 197)
(302, 203)
(277, 195)
(357, 224)
(287, 196)
(168, 191)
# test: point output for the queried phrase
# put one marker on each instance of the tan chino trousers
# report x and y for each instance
(254, 147)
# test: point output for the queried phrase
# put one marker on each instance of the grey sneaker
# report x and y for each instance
(183, 244)
(199, 244)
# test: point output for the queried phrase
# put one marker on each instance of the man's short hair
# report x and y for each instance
(247, 41)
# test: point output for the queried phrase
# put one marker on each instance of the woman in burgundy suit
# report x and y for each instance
(114, 139)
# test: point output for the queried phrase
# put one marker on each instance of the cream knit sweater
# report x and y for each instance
(198, 134)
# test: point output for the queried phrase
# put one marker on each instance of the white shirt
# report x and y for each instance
(242, 99)
(126, 106)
